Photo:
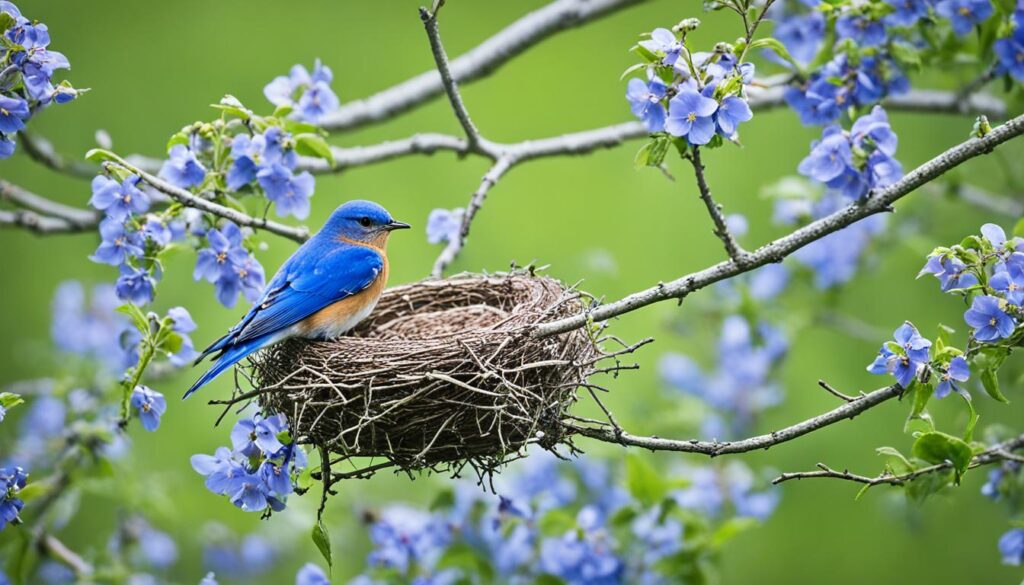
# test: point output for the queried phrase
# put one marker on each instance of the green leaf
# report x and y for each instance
(177, 138)
(925, 485)
(972, 417)
(987, 363)
(936, 447)
(138, 318)
(445, 500)
(556, 522)
(644, 482)
(314, 145)
(172, 342)
(100, 155)
(1018, 229)
(10, 399)
(231, 105)
(906, 54)
(322, 540)
(730, 529)
(897, 461)
(921, 393)
(282, 111)
(6, 21)
(631, 69)
(779, 49)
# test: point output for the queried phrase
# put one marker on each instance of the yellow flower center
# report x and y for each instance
(691, 116)
(222, 257)
(992, 321)
(4, 112)
(964, 11)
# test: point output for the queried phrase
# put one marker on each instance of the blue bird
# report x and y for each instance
(326, 288)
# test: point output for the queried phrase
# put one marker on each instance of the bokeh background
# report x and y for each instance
(154, 67)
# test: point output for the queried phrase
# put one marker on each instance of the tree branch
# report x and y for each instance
(478, 62)
(450, 86)
(733, 249)
(451, 251)
(298, 234)
(994, 454)
(42, 151)
(24, 198)
(775, 251)
(51, 546)
(848, 410)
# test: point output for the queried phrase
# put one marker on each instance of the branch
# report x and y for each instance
(479, 62)
(52, 546)
(42, 151)
(734, 250)
(848, 410)
(24, 198)
(450, 86)
(451, 251)
(878, 201)
(994, 454)
(298, 234)
(38, 224)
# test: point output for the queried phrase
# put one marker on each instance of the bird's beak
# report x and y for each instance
(397, 225)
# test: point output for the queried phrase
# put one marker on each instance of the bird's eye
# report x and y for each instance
(364, 221)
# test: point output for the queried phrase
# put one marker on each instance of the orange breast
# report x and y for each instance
(335, 319)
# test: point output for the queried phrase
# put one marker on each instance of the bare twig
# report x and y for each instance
(733, 249)
(450, 86)
(715, 448)
(38, 224)
(478, 62)
(877, 202)
(455, 245)
(994, 454)
(828, 388)
(52, 547)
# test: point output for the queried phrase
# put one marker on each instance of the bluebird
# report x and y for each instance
(330, 284)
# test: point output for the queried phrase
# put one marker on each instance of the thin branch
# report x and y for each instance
(877, 202)
(42, 225)
(299, 234)
(451, 251)
(828, 388)
(733, 249)
(1009, 206)
(52, 547)
(995, 454)
(24, 198)
(715, 448)
(450, 86)
(478, 62)
(42, 151)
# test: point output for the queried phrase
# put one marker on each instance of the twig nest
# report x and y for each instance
(444, 373)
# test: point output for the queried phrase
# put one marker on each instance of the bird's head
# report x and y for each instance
(362, 222)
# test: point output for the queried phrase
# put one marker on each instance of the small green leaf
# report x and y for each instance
(1018, 229)
(314, 145)
(972, 417)
(322, 540)
(644, 481)
(556, 522)
(100, 155)
(10, 399)
(282, 111)
(139, 319)
(6, 21)
(730, 529)
(231, 105)
(177, 138)
(779, 49)
(631, 69)
(906, 54)
(936, 447)
(445, 500)
(172, 342)
(987, 363)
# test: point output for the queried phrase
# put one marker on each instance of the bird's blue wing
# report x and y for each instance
(304, 286)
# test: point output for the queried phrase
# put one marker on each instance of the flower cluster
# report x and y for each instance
(844, 83)
(1005, 483)
(12, 481)
(95, 330)
(308, 94)
(257, 472)
(1010, 48)
(691, 96)
(855, 162)
(227, 264)
(27, 66)
(269, 159)
(989, 270)
(568, 521)
(740, 387)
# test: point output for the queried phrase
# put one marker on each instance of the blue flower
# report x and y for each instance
(7, 147)
(989, 319)
(95, 331)
(1010, 50)
(731, 113)
(645, 102)
(906, 12)
(958, 371)
(229, 266)
(690, 115)
(802, 35)
(12, 481)
(150, 406)
(311, 574)
(209, 579)
(964, 14)
(872, 132)
(403, 537)
(443, 225)
(13, 113)
(245, 152)
(156, 231)
(664, 42)
(252, 495)
(951, 272)
(990, 489)
(134, 285)
(118, 200)
(581, 559)
(830, 158)
(866, 32)
(117, 243)
(1010, 283)
(221, 470)
(251, 436)
(289, 192)
(310, 94)
(997, 237)
(276, 478)
(1011, 546)
(182, 325)
(182, 169)
(906, 364)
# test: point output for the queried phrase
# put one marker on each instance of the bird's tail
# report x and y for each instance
(230, 357)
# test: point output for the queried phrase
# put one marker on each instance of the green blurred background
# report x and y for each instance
(155, 66)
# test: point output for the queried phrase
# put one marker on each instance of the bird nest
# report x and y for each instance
(444, 373)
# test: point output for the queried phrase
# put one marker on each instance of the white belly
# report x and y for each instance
(335, 327)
